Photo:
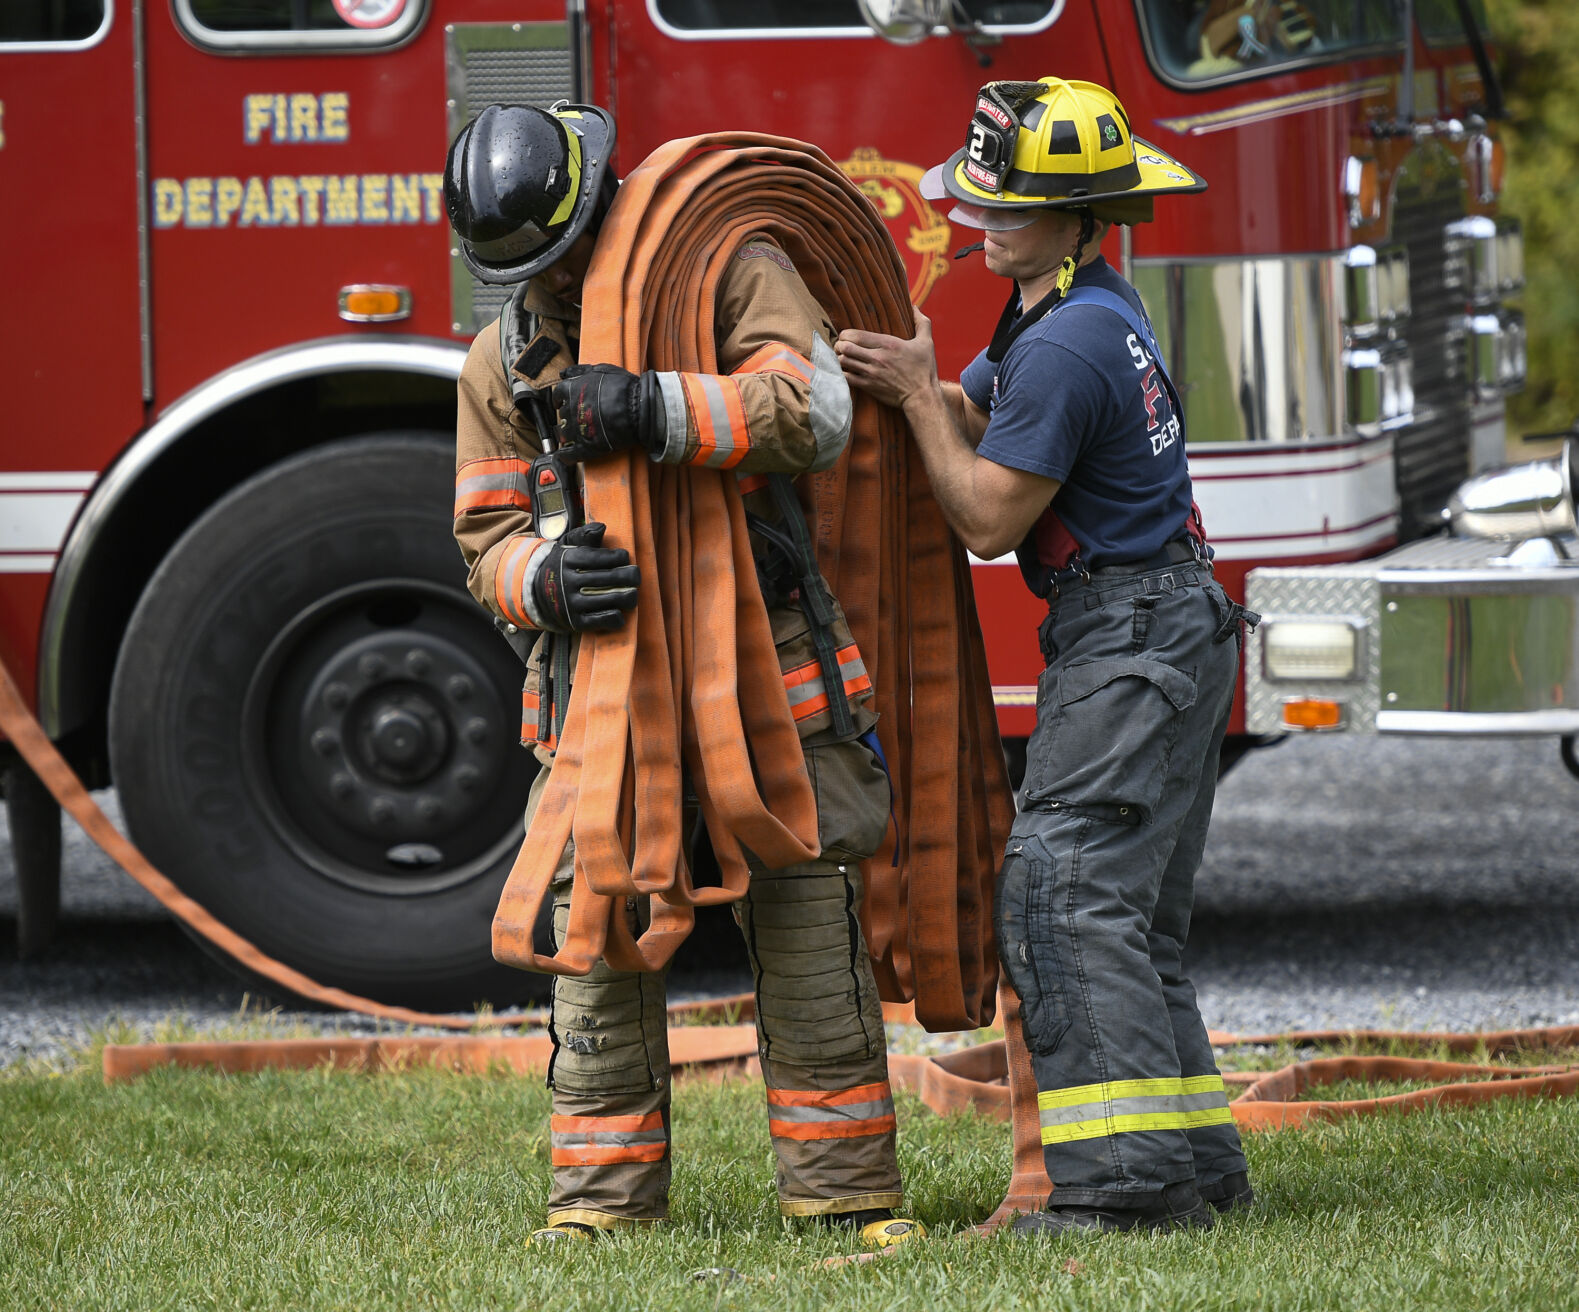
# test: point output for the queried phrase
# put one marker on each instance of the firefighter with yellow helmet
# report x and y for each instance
(1064, 442)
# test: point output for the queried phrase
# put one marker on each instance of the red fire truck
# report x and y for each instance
(235, 318)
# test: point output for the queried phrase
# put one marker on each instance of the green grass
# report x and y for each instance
(322, 1190)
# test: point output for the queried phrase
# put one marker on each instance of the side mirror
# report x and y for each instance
(904, 22)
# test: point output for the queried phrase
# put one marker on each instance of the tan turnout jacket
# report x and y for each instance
(781, 405)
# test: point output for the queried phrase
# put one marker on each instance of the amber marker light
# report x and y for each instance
(374, 302)
(1312, 713)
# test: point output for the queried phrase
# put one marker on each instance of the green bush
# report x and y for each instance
(1538, 57)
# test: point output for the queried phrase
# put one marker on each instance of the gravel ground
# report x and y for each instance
(1349, 882)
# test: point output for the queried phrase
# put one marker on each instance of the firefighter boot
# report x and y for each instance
(565, 1232)
(1230, 1194)
(878, 1227)
(1176, 1207)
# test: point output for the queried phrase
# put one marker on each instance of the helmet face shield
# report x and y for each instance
(992, 220)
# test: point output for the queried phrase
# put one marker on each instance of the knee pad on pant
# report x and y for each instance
(610, 1028)
(816, 996)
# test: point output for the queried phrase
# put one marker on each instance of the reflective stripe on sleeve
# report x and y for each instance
(830, 408)
(604, 1140)
(807, 692)
(840, 1114)
(720, 419)
(776, 358)
(1096, 1111)
(501, 484)
(672, 390)
(512, 581)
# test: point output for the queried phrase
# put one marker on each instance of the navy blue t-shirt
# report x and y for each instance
(1078, 397)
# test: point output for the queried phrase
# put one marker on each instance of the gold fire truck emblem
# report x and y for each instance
(920, 232)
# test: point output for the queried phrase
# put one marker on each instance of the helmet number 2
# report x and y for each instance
(977, 149)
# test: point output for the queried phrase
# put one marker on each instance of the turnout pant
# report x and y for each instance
(820, 1033)
(1093, 902)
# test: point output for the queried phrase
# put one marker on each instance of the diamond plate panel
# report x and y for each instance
(1348, 593)
(498, 64)
(1457, 553)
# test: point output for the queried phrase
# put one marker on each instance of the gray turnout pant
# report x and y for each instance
(1093, 902)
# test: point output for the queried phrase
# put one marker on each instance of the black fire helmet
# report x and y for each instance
(522, 183)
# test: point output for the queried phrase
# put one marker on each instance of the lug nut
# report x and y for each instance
(342, 786)
(476, 730)
(372, 666)
(418, 662)
(326, 742)
(459, 687)
(381, 811)
(337, 696)
(429, 809)
(467, 778)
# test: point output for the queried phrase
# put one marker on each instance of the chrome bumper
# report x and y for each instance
(1452, 636)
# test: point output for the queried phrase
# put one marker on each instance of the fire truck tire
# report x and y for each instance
(314, 728)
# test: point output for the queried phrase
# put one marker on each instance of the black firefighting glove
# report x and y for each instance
(583, 585)
(603, 409)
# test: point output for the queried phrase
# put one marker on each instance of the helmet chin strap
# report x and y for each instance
(1066, 272)
(1009, 327)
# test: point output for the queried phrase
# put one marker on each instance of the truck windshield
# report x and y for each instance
(723, 15)
(1206, 40)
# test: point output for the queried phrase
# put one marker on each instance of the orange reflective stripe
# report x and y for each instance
(607, 1124)
(829, 1097)
(776, 358)
(493, 484)
(808, 695)
(832, 1129)
(531, 708)
(508, 577)
(607, 1140)
(720, 418)
(806, 1114)
(750, 483)
(594, 1156)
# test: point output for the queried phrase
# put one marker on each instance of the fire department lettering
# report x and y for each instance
(300, 116)
(301, 201)
(1163, 433)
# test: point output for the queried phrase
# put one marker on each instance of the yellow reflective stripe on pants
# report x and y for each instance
(1092, 1111)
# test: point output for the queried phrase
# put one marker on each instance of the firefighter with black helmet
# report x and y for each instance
(526, 190)
(1064, 443)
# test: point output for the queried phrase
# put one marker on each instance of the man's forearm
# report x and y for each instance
(954, 397)
(951, 463)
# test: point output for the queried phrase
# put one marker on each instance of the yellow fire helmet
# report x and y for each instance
(1052, 144)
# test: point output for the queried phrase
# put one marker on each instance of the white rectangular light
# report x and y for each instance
(1310, 649)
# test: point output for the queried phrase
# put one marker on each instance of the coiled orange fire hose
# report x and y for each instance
(693, 677)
